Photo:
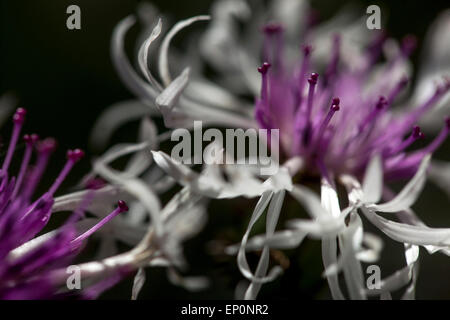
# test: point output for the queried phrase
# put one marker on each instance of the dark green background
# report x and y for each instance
(65, 79)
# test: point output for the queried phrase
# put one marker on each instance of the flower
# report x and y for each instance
(340, 139)
(26, 261)
(141, 182)
(340, 128)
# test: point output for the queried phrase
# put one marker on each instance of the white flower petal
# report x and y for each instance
(138, 283)
(263, 264)
(309, 200)
(163, 52)
(351, 266)
(262, 204)
(405, 233)
(373, 181)
(439, 173)
(128, 76)
(171, 94)
(435, 63)
(329, 258)
(409, 193)
(115, 116)
(143, 55)
(141, 160)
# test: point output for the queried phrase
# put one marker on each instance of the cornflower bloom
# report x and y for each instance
(338, 127)
(28, 262)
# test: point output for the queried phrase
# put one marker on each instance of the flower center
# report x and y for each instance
(304, 107)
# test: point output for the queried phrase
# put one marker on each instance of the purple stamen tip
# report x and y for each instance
(403, 81)
(19, 116)
(272, 28)
(46, 145)
(409, 43)
(122, 206)
(417, 133)
(313, 78)
(75, 155)
(307, 50)
(336, 38)
(335, 104)
(31, 138)
(264, 67)
(382, 102)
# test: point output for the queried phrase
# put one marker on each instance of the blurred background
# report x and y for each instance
(65, 79)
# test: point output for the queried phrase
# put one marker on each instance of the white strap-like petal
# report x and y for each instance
(143, 55)
(351, 266)
(138, 189)
(129, 77)
(138, 283)
(405, 233)
(373, 181)
(141, 160)
(164, 49)
(310, 200)
(242, 260)
(260, 274)
(439, 173)
(329, 199)
(211, 184)
(115, 116)
(409, 193)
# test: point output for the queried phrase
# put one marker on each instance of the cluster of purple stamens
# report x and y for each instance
(334, 123)
(25, 274)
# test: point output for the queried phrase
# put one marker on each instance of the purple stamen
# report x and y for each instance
(122, 207)
(440, 138)
(333, 109)
(272, 28)
(398, 88)
(303, 70)
(44, 149)
(73, 156)
(312, 84)
(409, 43)
(415, 135)
(264, 86)
(273, 44)
(18, 119)
(414, 116)
(375, 48)
(332, 66)
(94, 184)
(30, 141)
(371, 117)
